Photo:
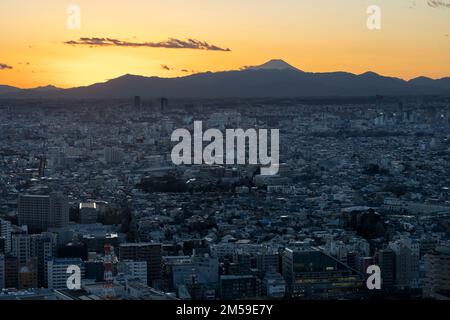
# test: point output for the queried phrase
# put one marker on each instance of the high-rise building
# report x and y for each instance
(21, 248)
(42, 247)
(11, 271)
(437, 269)
(57, 274)
(5, 232)
(40, 212)
(148, 252)
(406, 263)
(386, 261)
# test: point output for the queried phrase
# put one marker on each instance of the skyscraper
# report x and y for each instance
(40, 212)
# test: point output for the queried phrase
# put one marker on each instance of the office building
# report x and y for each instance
(21, 248)
(42, 247)
(437, 270)
(148, 252)
(311, 273)
(233, 287)
(57, 274)
(11, 271)
(133, 270)
(40, 212)
(386, 261)
(113, 155)
(88, 213)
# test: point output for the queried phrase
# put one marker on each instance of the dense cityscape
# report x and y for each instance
(361, 182)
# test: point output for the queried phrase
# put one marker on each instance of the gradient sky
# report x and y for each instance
(313, 35)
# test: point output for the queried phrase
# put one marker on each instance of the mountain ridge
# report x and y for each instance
(275, 78)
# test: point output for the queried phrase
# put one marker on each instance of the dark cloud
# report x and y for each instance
(439, 3)
(189, 71)
(171, 44)
(165, 67)
(4, 66)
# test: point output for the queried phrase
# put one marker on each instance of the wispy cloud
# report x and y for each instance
(439, 3)
(170, 44)
(4, 66)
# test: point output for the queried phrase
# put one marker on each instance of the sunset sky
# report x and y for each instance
(312, 35)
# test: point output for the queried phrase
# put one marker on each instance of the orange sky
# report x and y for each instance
(312, 35)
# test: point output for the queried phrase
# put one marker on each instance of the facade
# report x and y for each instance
(21, 248)
(42, 247)
(5, 232)
(135, 270)
(40, 212)
(28, 275)
(2, 271)
(312, 274)
(437, 268)
(203, 270)
(148, 252)
(57, 272)
(386, 260)
(11, 271)
(406, 264)
(113, 155)
(233, 287)
(88, 213)
(274, 286)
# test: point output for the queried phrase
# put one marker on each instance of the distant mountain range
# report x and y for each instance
(275, 78)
